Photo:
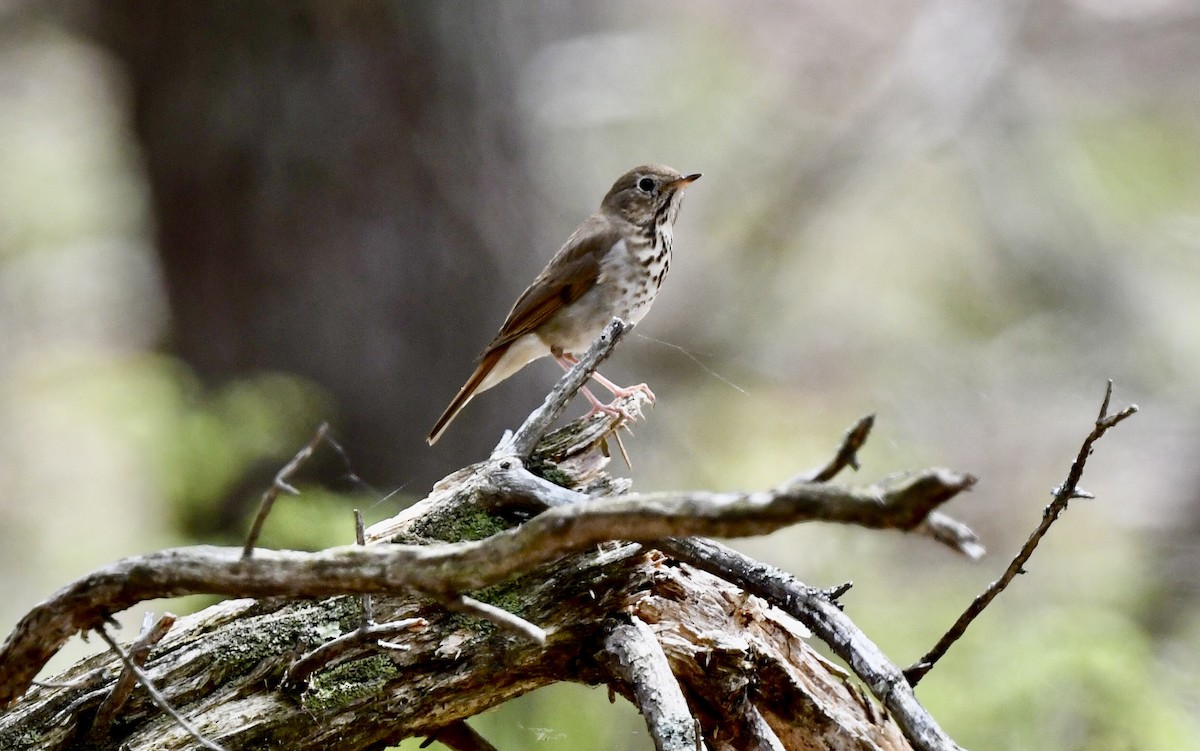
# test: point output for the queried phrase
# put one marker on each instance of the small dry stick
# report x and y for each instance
(846, 456)
(621, 445)
(493, 614)
(1063, 495)
(152, 633)
(281, 483)
(299, 670)
(155, 695)
(90, 679)
(368, 613)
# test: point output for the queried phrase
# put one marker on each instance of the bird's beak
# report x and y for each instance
(683, 182)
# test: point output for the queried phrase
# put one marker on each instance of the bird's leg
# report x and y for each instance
(617, 391)
(597, 405)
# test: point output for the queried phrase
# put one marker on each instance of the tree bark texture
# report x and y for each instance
(748, 675)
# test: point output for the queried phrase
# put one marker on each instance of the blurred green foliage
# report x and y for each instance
(1143, 168)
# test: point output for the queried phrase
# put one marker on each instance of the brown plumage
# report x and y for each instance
(611, 266)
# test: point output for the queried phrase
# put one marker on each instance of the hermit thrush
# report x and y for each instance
(611, 266)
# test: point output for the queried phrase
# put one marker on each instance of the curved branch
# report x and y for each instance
(452, 568)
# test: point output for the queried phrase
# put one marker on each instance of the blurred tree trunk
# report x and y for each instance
(336, 188)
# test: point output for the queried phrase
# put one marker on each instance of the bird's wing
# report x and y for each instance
(574, 270)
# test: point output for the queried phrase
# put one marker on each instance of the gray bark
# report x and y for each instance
(744, 665)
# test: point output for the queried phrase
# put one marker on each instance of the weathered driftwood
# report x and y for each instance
(709, 656)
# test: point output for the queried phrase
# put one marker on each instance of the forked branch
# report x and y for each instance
(416, 582)
(1063, 494)
(449, 569)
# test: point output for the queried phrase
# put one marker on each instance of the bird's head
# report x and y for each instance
(647, 196)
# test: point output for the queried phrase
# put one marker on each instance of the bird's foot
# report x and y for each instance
(566, 360)
(599, 407)
(640, 388)
(622, 392)
(612, 409)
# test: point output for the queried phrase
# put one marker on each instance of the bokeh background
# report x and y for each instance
(222, 222)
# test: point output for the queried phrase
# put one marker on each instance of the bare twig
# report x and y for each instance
(449, 569)
(1063, 495)
(368, 615)
(155, 695)
(318, 658)
(281, 484)
(953, 534)
(459, 736)
(846, 456)
(521, 443)
(636, 659)
(493, 614)
(368, 632)
(90, 679)
(152, 633)
(621, 446)
(937, 526)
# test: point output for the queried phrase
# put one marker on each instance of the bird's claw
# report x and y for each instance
(613, 410)
(640, 388)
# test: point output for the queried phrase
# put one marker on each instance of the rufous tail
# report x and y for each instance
(464, 395)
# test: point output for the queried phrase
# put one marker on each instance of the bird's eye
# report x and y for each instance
(646, 185)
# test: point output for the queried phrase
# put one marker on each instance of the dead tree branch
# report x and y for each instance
(453, 568)
(636, 659)
(162, 702)
(473, 609)
(1063, 495)
(281, 484)
(152, 633)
